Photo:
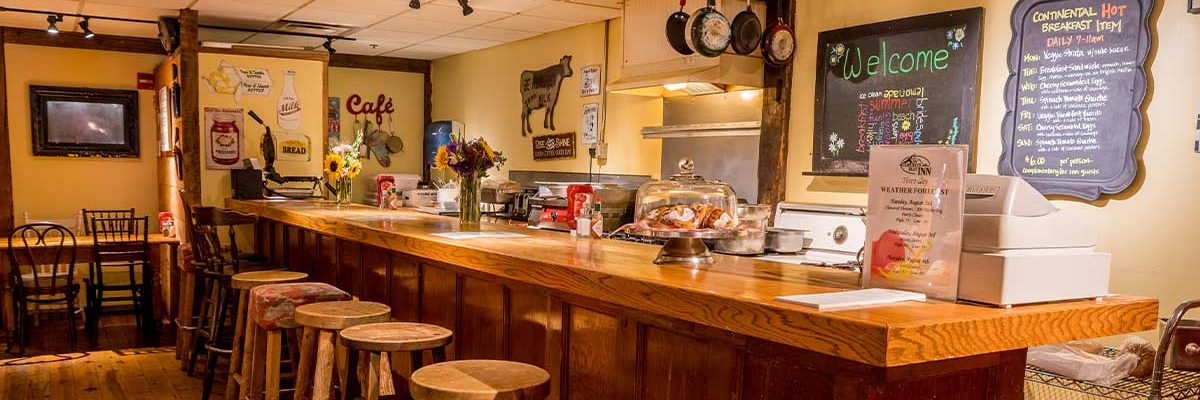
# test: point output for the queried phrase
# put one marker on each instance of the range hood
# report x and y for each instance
(651, 67)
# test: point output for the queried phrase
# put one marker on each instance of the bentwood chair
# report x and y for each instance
(121, 247)
(47, 252)
(89, 215)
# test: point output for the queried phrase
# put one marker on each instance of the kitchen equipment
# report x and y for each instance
(784, 240)
(499, 191)
(751, 237)
(1018, 248)
(837, 233)
(1184, 351)
(708, 31)
(420, 197)
(685, 209)
(549, 213)
(677, 24)
(779, 43)
(747, 31)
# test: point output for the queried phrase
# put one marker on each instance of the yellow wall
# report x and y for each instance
(407, 91)
(481, 89)
(309, 79)
(58, 187)
(1150, 229)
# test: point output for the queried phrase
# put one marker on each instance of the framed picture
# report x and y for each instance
(83, 122)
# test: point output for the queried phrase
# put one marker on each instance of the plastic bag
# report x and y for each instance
(1074, 363)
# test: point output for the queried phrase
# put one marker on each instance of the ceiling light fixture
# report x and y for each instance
(87, 32)
(414, 4)
(53, 20)
(467, 10)
(329, 46)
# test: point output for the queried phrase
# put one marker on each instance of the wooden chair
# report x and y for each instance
(89, 215)
(243, 283)
(49, 252)
(320, 354)
(383, 340)
(480, 380)
(120, 244)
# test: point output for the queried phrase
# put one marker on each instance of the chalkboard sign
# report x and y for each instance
(907, 81)
(1075, 86)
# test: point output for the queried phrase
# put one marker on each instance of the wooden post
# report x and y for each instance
(7, 218)
(776, 117)
(189, 103)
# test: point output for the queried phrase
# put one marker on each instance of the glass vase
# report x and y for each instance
(468, 202)
(344, 187)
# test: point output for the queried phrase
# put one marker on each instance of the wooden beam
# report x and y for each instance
(189, 103)
(776, 118)
(428, 120)
(272, 53)
(128, 44)
(7, 217)
(381, 63)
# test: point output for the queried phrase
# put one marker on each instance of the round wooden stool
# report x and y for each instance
(242, 283)
(381, 339)
(273, 311)
(480, 380)
(321, 322)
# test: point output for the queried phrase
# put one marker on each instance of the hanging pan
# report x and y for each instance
(778, 42)
(747, 31)
(676, 28)
(708, 31)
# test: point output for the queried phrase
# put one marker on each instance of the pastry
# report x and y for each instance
(682, 217)
(719, 219)
(1144, 351)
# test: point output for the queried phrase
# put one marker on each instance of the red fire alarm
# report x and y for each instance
(145, 81)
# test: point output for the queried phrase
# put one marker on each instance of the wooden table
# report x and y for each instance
(159, 306)
(608, 323)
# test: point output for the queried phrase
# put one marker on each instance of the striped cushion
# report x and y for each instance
(274, 306)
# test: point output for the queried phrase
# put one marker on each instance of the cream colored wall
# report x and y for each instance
(1150, 229)
(407, 91)
(310, 77)
(58, 187)
(481, 89)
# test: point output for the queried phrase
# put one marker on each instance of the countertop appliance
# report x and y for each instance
(838, 234)
(543, 204)
(1018, 248)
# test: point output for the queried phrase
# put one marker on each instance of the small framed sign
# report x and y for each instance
(555, 146)
(589, 84)
(591, 123)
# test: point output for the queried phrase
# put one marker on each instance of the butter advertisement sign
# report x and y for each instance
(292, 147)
(914, 218)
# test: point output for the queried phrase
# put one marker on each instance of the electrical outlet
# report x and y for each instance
(599, 151)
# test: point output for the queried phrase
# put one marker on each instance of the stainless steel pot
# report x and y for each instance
(782, 240)
(751, 239)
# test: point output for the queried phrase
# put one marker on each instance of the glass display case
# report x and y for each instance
(685, 208)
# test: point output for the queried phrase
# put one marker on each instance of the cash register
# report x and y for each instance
(1018, 248)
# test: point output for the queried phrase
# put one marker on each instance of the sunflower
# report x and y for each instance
(442, 161)
(491, 154)
(355, 169)
(333, 165)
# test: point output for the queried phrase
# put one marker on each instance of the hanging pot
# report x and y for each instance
(708, 31)
(778, 42)
(676, 30)
(747, 31)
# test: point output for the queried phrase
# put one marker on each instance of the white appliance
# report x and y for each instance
(1018, 248)
(838, 234)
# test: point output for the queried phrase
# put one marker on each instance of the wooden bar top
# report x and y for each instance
(736, 294)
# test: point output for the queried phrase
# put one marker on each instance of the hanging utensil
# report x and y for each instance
(779, 44)
(708, 31)
(747, 31)
(677, 24)
(394, 143)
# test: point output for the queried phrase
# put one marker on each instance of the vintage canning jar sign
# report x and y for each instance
(224, 127)
(914, 218)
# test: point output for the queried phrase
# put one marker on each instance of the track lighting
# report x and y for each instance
(467, 10)
(87, 32)
(414, 4)
(329, 46)
(53, 20)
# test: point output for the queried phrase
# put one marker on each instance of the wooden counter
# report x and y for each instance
(610, 324)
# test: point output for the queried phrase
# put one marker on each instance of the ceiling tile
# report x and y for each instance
(34, 21)
(168, 4)
(509, 6)
(244, 13)
(221, 35)
(453, 14)
(528, 23)
(365, 47)
(573, 12)
(422, 52)
(403, 23)
(390, 36)
(383, 8)
(463, 44)
(617, 4)
(335, 17)
(284, 40)
(62, 6)
(119, 11)
(121, 28)
(489, 33)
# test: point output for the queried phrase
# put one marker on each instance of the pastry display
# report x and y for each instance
(686, 209)
(688, 217)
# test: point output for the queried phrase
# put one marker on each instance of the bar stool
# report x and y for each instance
(242, 283)
(321, 322)
(480, 380)
(380, 339)
(273, 309)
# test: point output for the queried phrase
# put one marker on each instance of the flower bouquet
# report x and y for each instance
(470, 160)
(341, 166)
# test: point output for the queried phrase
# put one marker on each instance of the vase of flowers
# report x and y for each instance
(470, 160)
(341, 166)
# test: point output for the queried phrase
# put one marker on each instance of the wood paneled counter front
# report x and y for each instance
(610, 324)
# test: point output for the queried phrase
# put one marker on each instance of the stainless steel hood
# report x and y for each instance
(719, 131)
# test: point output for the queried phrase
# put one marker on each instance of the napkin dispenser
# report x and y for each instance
(1018, 248)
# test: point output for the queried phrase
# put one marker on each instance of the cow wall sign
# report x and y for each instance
(539, 89)
(554, 146)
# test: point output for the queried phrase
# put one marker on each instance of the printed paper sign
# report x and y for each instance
(914, 218)
(589, 84)
(224, 127)
(591, 122)
(292, 147)
(254, 81)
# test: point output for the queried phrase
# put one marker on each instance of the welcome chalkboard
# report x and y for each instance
(1076, 83)
(907, 81)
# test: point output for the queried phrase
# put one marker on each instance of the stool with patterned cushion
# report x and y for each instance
(322, 322)
(273, 310)
(242, 283)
